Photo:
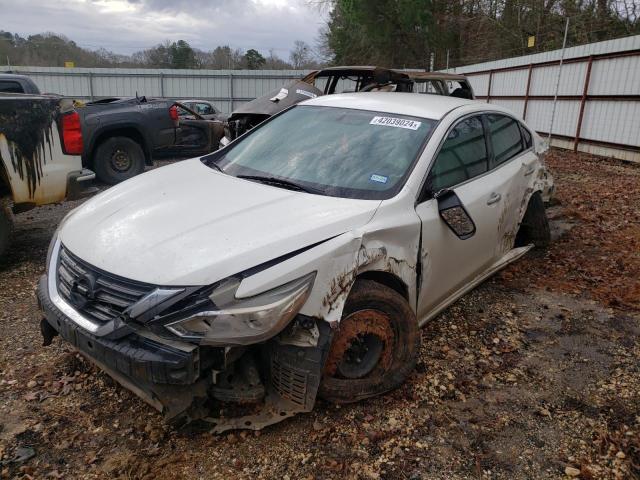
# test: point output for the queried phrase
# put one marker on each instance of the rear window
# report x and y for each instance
(505, 136)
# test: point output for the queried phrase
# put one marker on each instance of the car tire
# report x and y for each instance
(6, 224)
(117, 159)
(535, 224)
(373, 315)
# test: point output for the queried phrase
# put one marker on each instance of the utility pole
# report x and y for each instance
(555, 97)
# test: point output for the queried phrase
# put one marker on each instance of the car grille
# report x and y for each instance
(97, 295)
(288, 381)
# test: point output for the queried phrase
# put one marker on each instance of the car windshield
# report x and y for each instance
(333, 151)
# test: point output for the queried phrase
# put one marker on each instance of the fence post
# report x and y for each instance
(161, 75)
(489, 87)
(91, 85)
(555, 97)
(230, 92)
(526, 95)
(583, 100)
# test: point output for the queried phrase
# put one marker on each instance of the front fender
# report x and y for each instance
(338, 262)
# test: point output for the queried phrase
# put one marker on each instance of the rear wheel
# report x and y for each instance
(6, 224)
(535, 225)
(375, 348)
(118, 159)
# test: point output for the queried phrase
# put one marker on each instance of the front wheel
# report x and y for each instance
(118, 159)
(6, 224)
(375, 348)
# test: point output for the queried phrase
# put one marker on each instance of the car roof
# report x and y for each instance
(435, 76)
(414, 104)
(189, 100)
(13, 76)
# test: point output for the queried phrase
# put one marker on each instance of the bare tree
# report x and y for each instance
(301, 55)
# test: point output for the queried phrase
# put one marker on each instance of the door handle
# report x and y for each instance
(494, 198)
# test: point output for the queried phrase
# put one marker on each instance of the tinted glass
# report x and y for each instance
(506, 138)
(10, 87)
(463, 155)
(526, 137)
(204, 109)
(339, 151)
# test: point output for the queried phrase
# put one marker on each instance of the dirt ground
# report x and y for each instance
(535, 374)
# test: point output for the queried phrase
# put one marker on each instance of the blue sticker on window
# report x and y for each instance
(378, 178)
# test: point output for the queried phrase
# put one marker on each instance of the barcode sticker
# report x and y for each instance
(395, 122)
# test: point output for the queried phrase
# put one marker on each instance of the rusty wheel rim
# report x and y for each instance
(367, 336)
(120, 161)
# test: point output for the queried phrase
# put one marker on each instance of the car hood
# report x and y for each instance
(187, 224)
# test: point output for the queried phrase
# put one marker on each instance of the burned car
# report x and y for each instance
(345, 79)
(442, 84)
(300, 260)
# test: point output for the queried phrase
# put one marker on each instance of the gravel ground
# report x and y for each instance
(534, 374)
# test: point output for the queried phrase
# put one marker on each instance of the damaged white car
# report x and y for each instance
(301, 259)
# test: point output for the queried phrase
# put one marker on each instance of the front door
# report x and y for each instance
(448, 261)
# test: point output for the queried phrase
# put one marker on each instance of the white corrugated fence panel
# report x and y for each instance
(516, 106)
(512, 82)
(615, 76)
(612, 121)
(566, 117)
(480, 84)
(544, 79)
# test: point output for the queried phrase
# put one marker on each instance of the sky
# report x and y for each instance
(126, 26)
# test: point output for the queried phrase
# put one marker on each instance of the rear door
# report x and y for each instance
(449, 262)
(514, 162)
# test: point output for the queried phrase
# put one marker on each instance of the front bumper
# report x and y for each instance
(175, 379)
(166, 377)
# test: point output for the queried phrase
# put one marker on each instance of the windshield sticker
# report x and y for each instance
(299, 91)
(395, 122)
(282, 94)
(378, 178)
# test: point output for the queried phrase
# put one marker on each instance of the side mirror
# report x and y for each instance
(454, 214)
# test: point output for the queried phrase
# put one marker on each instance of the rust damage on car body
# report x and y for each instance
(28, 135)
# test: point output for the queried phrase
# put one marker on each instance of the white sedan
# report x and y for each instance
(301, 259)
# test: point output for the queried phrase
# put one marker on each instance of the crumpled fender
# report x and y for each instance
(338, 262)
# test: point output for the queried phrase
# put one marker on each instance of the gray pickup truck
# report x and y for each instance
(11, 83)
(122, 135)
(40, 147)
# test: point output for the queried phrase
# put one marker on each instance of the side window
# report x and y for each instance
(9, 86)
(526, 137)
(204, 109)
(505, 137)
(463, 155)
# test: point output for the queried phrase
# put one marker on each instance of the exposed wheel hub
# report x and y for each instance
(362, 346)
(120, 160)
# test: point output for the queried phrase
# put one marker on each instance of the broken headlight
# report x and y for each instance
(244, 321)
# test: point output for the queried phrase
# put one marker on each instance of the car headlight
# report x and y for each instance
(248, 320)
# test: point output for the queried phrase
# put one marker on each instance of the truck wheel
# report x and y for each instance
(6, 224)
(535, 225)
(118, 159)
(375, 348)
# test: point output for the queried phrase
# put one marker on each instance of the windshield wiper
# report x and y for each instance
(281, 182)
(216, 166)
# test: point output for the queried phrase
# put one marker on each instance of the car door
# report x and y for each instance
(514, 162)
(449, 262)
